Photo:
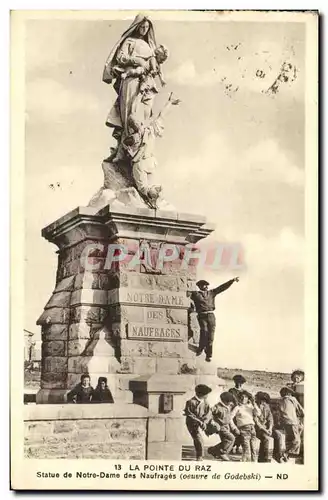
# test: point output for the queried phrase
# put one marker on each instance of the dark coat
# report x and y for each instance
(102, 396)
(80, 394)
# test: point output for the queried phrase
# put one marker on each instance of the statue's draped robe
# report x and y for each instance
(125, 54)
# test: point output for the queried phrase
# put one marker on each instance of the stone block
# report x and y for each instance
(65, 285)
(167, 349)
(54, 332)
(133, 348)
(53, 380)
(53, 348)
(73, 379)
(133, 313)
(127, 365)
(77, 346)
(155, 282)
(79, 331)
(86, 280)
(152, 402)
(54, 315)
(125, 430)
(78, 248)
(144, 365)
(72, 268)
(89, 296)
(78, 364)
(174, 429)
(91, 264)
(123, 396)
(156, 429)
(177, 316)
(103, 313)
(49, 396)
(106, 281)
(167, 366)
(124, 381)
(164, 451)
(85, 314)
(63, 426)
(59, 299)
(37, 431)
(54, 364)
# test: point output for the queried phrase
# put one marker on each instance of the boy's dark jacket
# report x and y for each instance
(197, 411)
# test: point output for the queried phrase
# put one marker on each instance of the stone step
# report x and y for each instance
(122, 396)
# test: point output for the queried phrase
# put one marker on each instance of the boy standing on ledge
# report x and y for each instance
(204, 301)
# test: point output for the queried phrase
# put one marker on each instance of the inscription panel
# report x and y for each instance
(142, 297)
(163, 332)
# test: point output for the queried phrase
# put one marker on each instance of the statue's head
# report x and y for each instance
(143, 28)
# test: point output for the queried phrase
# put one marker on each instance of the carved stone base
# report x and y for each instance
(120, 319)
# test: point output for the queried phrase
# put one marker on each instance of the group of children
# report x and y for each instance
(247, 422)
(84, 393)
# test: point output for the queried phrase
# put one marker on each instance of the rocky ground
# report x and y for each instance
(270, 382)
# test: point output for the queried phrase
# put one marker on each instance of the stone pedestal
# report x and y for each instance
(120, 307)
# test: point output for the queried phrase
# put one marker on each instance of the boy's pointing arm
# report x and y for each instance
(225, 286)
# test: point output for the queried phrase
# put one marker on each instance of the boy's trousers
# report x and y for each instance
(195, 432)
(207, 330)
(227, 441)
(266, 446)
(249, 443)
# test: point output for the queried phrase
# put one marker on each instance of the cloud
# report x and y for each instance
(264, 162)
(265, 254)
(49, 100)
(267, 161)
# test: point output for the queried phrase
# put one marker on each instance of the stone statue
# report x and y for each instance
(134, 69)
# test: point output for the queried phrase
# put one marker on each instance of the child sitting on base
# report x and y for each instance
(198, 414)
(244, 416)
(82, 392)
(222, 415)
(264, 425)
(102, 393)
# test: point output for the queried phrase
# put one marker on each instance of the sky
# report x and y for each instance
(233, 150)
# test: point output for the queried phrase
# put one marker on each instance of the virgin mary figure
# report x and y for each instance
(126, 62)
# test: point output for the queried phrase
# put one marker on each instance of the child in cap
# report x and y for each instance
(264, 425)
(102, 392)
(288, 427)
(244, 417)
(198, 414)
(238, 390)
(222, 414)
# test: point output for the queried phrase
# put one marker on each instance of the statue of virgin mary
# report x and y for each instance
(123, 67)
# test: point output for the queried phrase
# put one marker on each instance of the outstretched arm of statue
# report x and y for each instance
(172, 101)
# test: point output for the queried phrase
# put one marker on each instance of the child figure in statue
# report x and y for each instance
(150, 66)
